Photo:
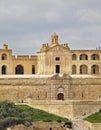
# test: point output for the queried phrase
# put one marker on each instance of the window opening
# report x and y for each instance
(33, 69)
(57, 68)
(57, 58)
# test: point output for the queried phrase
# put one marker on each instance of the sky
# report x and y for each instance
(26, 24)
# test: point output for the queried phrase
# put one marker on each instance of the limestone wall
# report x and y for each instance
(86, 88)
(26, 62)
(18, 88)
(42, 91)
(93, 126)
(40, 126)
(69, 109)
(61, 108)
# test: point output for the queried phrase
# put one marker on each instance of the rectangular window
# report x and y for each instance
(57, 68)
(33, 69)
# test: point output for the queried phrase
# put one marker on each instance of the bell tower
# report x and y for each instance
(54, 39)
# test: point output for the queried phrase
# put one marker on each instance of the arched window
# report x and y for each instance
(94, 69)
(74, 69)
(83, 57)
(74, 57)
(19, 69)
(60, 96)
(95, 57)
(4, 69)
(83, 69)
(4, 57)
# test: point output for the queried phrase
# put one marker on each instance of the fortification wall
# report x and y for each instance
(42, 92)
(68, 108)
(19, 88)
(88, 88)
(93, 126)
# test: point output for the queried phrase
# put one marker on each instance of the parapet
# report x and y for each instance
(65, 45)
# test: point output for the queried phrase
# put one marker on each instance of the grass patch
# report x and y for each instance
(40, 115)
(94, 118)
(11, 114)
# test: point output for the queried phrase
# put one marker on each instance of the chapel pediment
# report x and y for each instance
(54, 46)
(58, 48)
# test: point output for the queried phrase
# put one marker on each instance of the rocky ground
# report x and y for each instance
(22, 127)
(78, 124)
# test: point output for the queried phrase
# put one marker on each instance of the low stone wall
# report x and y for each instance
(41, 126)
(93, 126)
(69, 109)
(60, 108)
(81, 108)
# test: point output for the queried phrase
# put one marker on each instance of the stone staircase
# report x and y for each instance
(78, 124)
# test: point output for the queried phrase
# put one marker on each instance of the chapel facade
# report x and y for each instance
(51, 59)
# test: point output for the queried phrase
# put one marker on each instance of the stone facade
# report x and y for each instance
(50, 59)
(49, 87)
(55, 73)
(81, 70)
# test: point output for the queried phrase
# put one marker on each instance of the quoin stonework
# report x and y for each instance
(56, 73)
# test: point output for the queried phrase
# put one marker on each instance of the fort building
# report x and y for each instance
(56, 73)
(50, 59)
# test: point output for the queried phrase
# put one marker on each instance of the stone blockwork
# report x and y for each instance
(93, 126)
(41, 126)
(22, 88)
(69, 109)
(88, 88)
(49, 87)
(61, 94)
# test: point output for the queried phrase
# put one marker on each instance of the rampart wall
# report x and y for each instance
(68, 108)
(93, 126)
(81, 95)
(19, 88)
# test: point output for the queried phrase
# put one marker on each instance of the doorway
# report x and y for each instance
(57, 68)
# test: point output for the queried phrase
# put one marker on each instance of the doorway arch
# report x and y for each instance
(19, 69)
(60, 96)
(4, 69)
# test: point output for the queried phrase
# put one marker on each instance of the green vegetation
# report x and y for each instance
(94, 118)
(40, 115)
(11, 114)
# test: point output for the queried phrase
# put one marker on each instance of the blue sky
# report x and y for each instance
(26, 24)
